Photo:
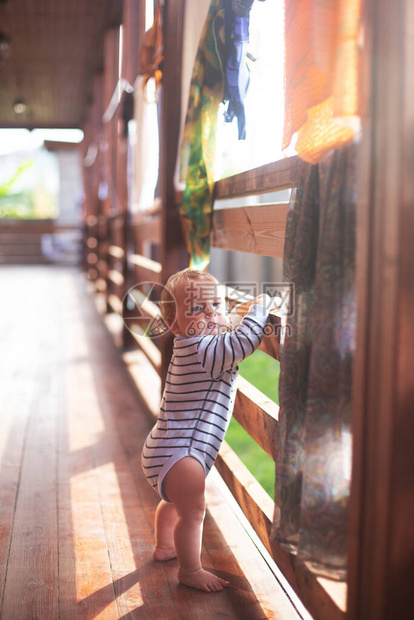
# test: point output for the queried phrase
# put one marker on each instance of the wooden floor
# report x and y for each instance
(76, 515)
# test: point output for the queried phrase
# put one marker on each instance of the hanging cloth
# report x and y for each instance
(321, 75)
(198, 148)
(220, 73)
(236, 70)
(313, 463)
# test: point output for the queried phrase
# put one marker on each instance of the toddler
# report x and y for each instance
(198, 401)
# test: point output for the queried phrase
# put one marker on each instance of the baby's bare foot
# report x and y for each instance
(163, 553)
(202, 580)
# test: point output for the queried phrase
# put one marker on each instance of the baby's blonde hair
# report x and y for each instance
(168, 303)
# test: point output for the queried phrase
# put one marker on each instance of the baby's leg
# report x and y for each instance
(166, 518)
(184, 485)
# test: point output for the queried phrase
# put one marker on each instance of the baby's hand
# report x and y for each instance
(243, 308)
(270, 303)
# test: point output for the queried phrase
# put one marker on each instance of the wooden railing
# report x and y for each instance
(261, 230)
(21, 241)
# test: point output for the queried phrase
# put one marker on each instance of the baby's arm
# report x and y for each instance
(225, 351)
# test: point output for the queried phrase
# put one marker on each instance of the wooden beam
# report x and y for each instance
(282, 174)
(381, 533)
(150, 349)
(116, 252)
(258, 230)
(111, 59)
(146, 230)
(258, 415)
(115, 304)
(146, 263)
(133, 29)
(34, 227)
(146, 269)
(116, 277)
(173, 248)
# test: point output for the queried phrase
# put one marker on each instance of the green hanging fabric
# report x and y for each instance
(199, 138)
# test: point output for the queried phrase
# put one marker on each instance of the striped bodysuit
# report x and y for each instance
(199, 396)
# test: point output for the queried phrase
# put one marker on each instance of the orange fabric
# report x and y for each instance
(321, 74)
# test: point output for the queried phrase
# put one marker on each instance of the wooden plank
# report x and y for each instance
(127, 536)
(258, 230)
(146, 263)
(251, 497)
(23, 249)
(116, 217)
(34, 227)
(116, 277)
(258, 508)
(146, 269)
(115, 303)
(258, 415)
(174, 256)
(110, 79)
(133, 23)
(147, 230)
(282, 174)
(146, 307)
(86, 581)
(84, 571)
(31, 583)
(16, 405)
(146, 380)
(150, 349)
(116, 251)
(270, 342)
(24, 260)
(17, 237)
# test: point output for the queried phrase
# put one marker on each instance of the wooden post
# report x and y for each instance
(133, 30)
(381, 531)
(109, 143)
(173, 250)
(92, 175)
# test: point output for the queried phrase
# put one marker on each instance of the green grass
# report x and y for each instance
(263, 372)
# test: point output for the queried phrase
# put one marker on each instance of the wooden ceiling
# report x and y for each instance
(56, 47)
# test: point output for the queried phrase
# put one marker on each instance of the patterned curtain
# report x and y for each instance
(314, 460)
